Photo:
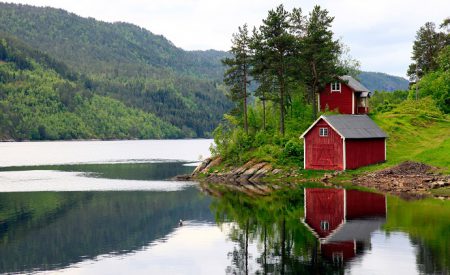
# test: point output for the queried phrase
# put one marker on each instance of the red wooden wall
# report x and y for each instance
(324, 205)
(362, 152)
(342, 101)
(323, 153)
(364, 204)
(347, 249)
(363, 110)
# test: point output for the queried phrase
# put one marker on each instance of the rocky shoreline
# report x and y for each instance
(251, 172)
(408, 179)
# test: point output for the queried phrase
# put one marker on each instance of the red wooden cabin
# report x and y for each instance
(347, 96)
(340, 142)
(343, 220)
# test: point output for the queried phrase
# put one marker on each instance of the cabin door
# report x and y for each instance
(324, 155)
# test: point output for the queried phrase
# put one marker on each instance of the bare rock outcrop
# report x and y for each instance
(406, 178)
(251, 172)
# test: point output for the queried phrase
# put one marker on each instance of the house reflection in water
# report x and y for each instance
(343, 220)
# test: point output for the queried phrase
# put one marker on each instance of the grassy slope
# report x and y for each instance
(428, 143)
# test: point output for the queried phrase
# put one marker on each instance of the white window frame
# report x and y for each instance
(338, 257)
(323, 132)
(335, 87)
(325, 225)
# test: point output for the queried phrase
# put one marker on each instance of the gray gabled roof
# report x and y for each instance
(355, 126)
(351, 126)
(355, 85)
(358, 230)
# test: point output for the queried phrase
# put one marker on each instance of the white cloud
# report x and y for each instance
(380, 33)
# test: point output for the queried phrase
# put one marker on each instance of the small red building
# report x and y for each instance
(340, 142)
(347, 96)
(343, 220)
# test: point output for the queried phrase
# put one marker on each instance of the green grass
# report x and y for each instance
(412, 138)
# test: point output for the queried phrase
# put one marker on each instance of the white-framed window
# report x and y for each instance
(323, 132)
(336, 87)
(324, 225)
(338, 257)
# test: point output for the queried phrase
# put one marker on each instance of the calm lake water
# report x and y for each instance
(109, 207)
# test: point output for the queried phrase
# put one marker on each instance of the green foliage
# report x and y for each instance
(426, 221)
(382, 101)
(426, 48)
(121, 61)
(437, 83)
(267, 144)
(418, 131)
(39, 102)
(320, 54)
(237, 74)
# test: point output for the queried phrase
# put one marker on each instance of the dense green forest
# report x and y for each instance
(41, 98)
(129, 64)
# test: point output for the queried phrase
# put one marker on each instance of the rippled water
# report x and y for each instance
(110, 214)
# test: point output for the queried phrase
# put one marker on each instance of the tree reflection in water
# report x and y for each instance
(271, 238)
(281, 244)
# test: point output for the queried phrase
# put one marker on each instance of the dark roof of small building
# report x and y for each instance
(355, 126)
(352, 126)
(355, 85)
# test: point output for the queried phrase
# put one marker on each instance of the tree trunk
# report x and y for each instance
(245, 100)
(282, 95)
(314, 103)
(283, 245)
(264, 114)
(314, 88)
(246, 246)
(265, 249)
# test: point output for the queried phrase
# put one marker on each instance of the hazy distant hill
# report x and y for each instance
(128, 63)
(383, 82)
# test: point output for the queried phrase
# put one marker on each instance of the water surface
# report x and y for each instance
(118, 212)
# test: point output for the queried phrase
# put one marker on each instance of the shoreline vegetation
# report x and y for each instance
(257, 146)
(417, 161)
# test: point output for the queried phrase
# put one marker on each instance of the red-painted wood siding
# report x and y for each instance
(362, 152)
(323, 153)
(363, 110)
(342, 101)
(324, 205)
(364, 204)
(347, 249)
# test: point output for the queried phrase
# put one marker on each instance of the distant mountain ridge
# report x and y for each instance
(375, 81)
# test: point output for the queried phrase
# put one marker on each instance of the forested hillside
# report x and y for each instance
(128, 63)
(383, 82)
(40, 98)
(120, 63)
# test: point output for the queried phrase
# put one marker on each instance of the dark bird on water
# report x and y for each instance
(180, 223)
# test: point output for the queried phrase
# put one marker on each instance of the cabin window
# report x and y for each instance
(323, 132)
(338, 258)
(324, 225)
(336, 87)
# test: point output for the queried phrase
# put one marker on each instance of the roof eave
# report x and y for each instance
(314, 124)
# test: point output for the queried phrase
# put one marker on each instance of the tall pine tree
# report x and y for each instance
(426, 47)
(237, 74)
(275, 50)
(319, 54)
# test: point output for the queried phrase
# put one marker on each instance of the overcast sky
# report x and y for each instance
(379, 32)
